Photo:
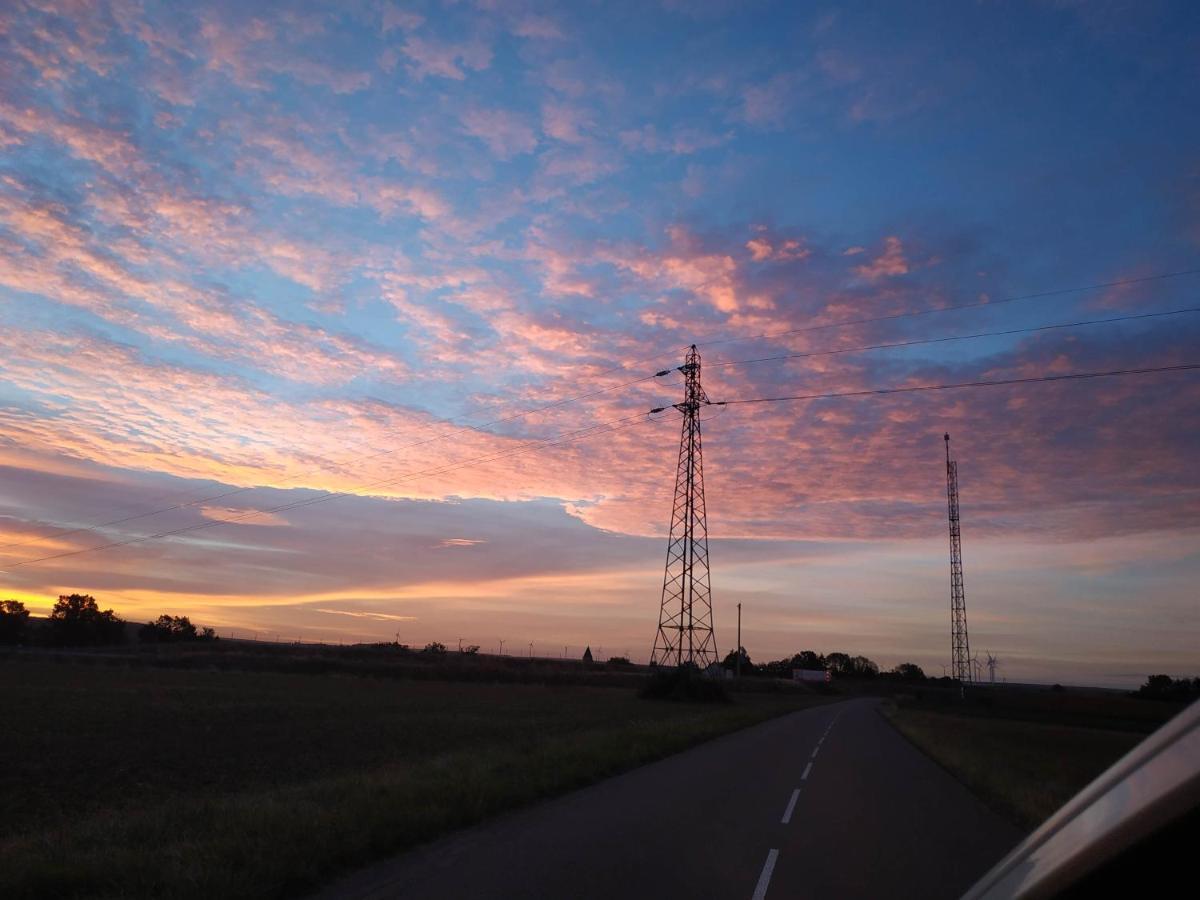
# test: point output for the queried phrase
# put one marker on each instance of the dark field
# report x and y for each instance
(1026, 752)
(129, 781)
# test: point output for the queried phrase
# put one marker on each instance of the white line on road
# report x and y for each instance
(807, 769)
(787, 813)
(815, 749)
(764, 880)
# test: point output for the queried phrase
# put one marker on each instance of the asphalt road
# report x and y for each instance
(829, 802)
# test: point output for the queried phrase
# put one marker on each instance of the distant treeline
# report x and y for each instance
(78, 621)
(840, 665)
(1164, 687)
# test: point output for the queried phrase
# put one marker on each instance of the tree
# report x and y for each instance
(1164, 687)
(808, 659)
(78, 621)
(861, 667)
(731, 661)
(908, 672)
(848, 666)
(14, 622)
(838, 663)
(434, 649)
(174, 629)
(469, 649)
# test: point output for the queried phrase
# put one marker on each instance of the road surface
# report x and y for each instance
(829, 802)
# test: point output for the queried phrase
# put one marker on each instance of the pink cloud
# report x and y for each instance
(769, 103)
(536, 26)
(564, 122)
(446, 60)
(681, 141)
(250, 51)
(506, 134)
(395, 17)
(888, 264)
(789, 250)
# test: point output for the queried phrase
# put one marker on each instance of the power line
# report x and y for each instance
(1071, 376)
(531, 446)
(956, 337)
(939, 309)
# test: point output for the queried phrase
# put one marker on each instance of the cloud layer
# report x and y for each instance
(248, 256)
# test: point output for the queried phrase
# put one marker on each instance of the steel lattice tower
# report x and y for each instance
(685, 627)
(960, 646)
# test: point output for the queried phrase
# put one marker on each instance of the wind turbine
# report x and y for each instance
(992, 662)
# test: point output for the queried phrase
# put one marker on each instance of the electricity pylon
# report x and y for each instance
(960, 646)
(685, 626)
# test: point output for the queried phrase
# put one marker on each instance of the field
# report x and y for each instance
(1026, 752)
(120, 780)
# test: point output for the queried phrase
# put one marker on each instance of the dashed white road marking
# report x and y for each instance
(764, 880)
(815, 749)
(787, 813)
(807, 769)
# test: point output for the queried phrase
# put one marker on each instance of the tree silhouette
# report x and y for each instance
(173, 629)
(731, 661)
(14, 622)
(808, 659)
(908, 672)
(77, 621)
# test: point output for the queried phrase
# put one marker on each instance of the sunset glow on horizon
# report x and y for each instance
(254, 253)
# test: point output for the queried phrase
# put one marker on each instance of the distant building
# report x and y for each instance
(587, 654)
(817, 675)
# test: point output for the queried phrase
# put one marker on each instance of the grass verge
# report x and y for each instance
(134, 782)
(1024, 770)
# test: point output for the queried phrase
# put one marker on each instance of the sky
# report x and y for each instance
(254, 253)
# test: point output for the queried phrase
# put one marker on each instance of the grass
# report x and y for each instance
(134, 781)
(1024, 769)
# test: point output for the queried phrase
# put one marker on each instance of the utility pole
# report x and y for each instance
(685, 626)
(960, 647)
(501, 646)
(738, 661)
(531, 649)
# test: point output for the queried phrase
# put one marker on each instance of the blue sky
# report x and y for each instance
(276, 247)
